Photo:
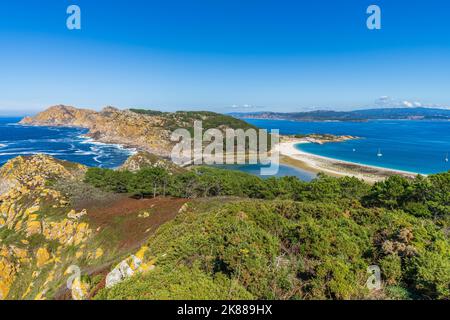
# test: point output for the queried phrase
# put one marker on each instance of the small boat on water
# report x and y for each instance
(379, 154)
(446, 158)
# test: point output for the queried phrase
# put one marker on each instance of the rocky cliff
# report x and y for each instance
(110, 125)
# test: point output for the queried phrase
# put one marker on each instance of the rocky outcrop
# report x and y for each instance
(147, 160)
(111, 125)
(61, 115)
(37, 238)
(129, 267)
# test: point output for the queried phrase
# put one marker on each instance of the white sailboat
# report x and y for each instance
(379, 154)
(446, 158)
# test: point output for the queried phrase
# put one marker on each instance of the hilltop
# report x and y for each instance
(144, 129)
(208, 233)
(357, 115)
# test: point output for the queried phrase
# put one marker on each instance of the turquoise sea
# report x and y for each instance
(416, 146)
(410, 145)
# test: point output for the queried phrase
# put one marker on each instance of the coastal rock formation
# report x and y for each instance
(143, 129)
(147, 160)
(35, 239)
(110, 125)
(61, 115)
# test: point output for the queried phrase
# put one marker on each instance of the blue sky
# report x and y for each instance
(233, 55)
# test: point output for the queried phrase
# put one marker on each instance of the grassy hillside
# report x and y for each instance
(217, 234)
(291, 250)
(293, 240)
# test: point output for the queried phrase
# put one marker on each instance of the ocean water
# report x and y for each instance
(416, 146)
(409, 145)
(62, 143)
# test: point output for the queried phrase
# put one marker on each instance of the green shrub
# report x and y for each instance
(391, 269)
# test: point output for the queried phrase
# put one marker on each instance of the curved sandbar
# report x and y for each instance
(291, 155)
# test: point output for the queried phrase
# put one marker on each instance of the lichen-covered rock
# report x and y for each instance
(94, 255)
(130, 266)
(26, 192)
(144, 214)
(143, 160)
(33, 227)
(80, 289)
(7, 276)
(76, 215)
(42, 257)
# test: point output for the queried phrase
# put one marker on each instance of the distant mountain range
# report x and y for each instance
(357, 115)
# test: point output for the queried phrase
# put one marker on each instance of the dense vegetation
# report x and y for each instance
(175, 120)
(210, 120)
(300, 241)
(422, 197)
(211, 182)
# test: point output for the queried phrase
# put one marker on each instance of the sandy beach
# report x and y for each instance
(292, 156)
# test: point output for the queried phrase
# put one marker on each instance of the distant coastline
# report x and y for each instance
(420, 113)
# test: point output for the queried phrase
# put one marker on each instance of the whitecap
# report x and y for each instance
(84, 153)
(96, 159)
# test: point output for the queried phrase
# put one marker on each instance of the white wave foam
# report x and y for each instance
(100, 152)
(96, 159)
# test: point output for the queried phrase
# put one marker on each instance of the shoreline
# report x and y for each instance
(290, 155)
(89, 138)
(120, 143)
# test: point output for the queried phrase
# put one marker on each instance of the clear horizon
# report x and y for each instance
(225, 56)
(35, 112)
